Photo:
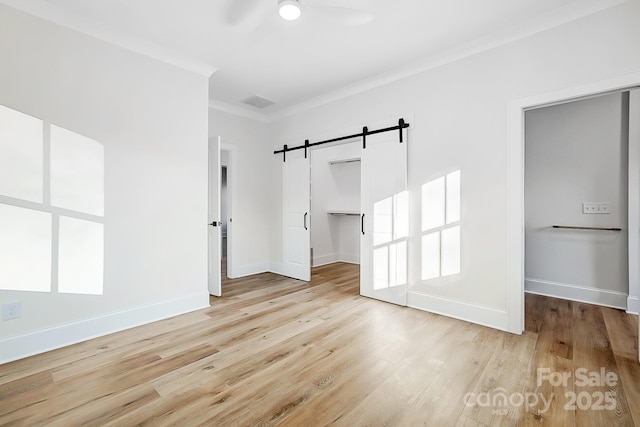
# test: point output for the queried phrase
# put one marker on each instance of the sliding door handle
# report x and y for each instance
(305, 220)
(362, 224)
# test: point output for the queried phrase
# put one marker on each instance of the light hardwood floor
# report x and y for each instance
(276, 351)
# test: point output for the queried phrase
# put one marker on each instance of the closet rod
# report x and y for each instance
(573, 227)
(401, 125)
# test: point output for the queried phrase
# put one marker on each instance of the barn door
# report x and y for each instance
(384, 218)
(296, 192)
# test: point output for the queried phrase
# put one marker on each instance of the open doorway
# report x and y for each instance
(224, 218)
(335, 204)
(226, 228)
(576, 200)
(515, 319)
(220, 230)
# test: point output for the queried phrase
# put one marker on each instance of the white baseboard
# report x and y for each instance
(29, 344)
(633, 305)
(571, 292)
(324, 259)
(333, 258)
(276, 268)
(485, 316)
(349, 258)
(249, 270)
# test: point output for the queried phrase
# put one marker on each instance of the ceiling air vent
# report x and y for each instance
(258, 101)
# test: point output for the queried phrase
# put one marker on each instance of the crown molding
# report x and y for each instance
(237, 110)
(48, 12)
(564, 15)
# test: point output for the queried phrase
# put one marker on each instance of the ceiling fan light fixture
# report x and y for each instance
(289, 10)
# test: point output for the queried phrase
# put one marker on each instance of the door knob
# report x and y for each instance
(215, 224)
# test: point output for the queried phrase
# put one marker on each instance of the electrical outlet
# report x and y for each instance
(11, 310)
(595, 208)
(603, 208)
(588, 207)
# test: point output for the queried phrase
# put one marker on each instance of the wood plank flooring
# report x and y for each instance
(276, 351)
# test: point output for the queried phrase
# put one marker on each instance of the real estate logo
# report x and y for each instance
(583, 378)
(585, 399)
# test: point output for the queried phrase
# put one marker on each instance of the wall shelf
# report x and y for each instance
(339, 161)
(342, 212)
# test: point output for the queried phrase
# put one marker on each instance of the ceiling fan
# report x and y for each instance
(347, 12)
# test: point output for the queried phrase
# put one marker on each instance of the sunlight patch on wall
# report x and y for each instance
(80, 266)
(21, 157)
(440, 226)
(25, 249)
(390, 232)
(51, 207)
(77, 177)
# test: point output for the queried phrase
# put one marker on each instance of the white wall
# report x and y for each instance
(152, 120)
(460, 121)
(251, 184)
(574, 153)
(335, 187)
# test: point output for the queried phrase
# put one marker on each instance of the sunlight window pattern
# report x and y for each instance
(441, 227)
(21, 155)
(51, 207)
(390, 231)
(25, 249)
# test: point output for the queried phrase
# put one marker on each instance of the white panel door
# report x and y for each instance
(214, 236)
(295, 194)
(384, 218)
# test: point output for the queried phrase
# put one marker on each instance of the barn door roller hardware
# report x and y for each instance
(365, 132)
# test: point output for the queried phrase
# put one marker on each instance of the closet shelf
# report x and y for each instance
(338, 161)
(342, 212)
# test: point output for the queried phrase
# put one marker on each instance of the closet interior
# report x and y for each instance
(335, 204)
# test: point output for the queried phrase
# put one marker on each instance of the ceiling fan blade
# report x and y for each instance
(247, 13)
(342, 16)
(350, 12)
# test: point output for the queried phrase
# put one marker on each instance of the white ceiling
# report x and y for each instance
(314, 57)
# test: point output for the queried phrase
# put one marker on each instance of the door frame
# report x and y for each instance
(231, 175)
(214, 244)
(515, 182)
(230, 180)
